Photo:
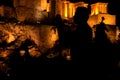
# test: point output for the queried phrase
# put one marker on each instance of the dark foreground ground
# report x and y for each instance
(93, 64)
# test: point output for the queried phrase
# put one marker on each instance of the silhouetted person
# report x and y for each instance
(59, 27)
(101, 38)
(82, 37)
(103, 49)
(81, 43)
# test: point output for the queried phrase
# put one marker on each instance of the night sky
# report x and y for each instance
(6, 2)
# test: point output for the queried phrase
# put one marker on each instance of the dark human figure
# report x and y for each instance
(59, 24)
(81, 43)
(82, 37)
(60, 27)
(63, 35)
(103, 49)
(101, 38)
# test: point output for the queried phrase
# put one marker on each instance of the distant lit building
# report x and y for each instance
(27, 9)
(67, 10)
(38, 10)
(99, 10)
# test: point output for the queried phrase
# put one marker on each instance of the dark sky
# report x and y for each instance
(6, 2)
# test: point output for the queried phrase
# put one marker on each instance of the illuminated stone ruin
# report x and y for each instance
(15, 36)
(65, 8)
(41, 10)
(99, 10)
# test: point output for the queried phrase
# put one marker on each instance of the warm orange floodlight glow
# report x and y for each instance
(96, 11)
(66, 11)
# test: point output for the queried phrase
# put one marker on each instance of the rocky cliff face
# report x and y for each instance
(41, 37)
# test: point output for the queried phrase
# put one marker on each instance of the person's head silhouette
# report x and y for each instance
(102, 19)
(58, 19)
(81, 15)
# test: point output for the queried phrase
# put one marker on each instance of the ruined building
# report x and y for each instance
(99, 10)
(38, 10)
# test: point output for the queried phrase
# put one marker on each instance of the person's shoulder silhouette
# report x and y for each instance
(102, 25)
(102, 21)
